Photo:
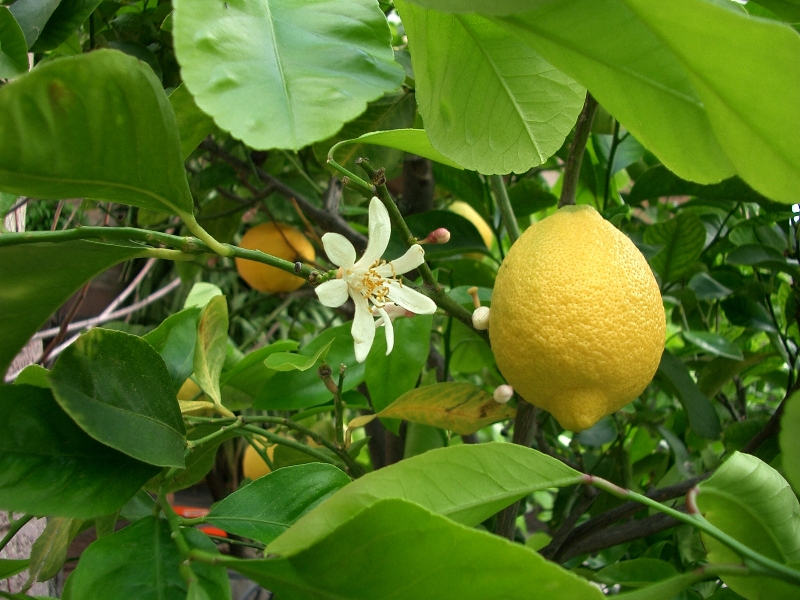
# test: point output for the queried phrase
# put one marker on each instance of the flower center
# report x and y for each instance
(374, 286)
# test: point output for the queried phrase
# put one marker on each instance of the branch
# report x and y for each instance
(572, 168)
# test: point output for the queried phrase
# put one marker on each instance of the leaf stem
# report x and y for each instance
(504, 204)
(177, 535)
(572, 168)
(207, 238)
(192, 444)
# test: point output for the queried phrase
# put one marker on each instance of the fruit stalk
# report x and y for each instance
(572, 168)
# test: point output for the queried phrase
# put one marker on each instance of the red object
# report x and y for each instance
(192, 512)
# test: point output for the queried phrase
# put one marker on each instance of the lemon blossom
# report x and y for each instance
(372, 283)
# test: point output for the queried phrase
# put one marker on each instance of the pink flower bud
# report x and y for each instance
(437, 236)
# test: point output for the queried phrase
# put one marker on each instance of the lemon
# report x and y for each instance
(577, 324)
(190, 391)
(253, 466)
(277, 239)
(470, 214)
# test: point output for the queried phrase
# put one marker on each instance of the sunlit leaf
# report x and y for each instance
(714, 343)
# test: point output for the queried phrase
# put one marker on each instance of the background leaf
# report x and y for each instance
(32, 15)
(211, 347)
(68, 16)
(13, 48)
(714, 343)
(702, 416)
(193, 124)
(682, 238)
(284, 73)
(790, 440)
(413, 141)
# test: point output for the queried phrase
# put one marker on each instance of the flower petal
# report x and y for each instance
(363, 328)
(380, 228)
(410, 299)
(332, 293)
(413, 258)
(339, 250)
(389, 327)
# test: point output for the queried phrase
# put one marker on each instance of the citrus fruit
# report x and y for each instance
(470, 214)
(577, 324)
(190, 391)
(277, 239)
(253, 466)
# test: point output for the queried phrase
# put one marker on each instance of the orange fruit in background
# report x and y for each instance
(277, 239)
(253, 466)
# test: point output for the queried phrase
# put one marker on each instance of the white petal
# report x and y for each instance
(380, 228)
(332, 293)
(389, 330)
(339, 250)
(363, 329)
(411, 299)
(413, 258)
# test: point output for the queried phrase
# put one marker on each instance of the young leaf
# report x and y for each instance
(490, 103)
(49, 551)
(395, 545)
(702, 416)
(51, 467)
(38, 278)
(265, 508)
(751, 502)
(714, 343)
(117, 389)
(682, 238)
(13, 48)
(251, 374)
(284, 73)
(211, 346)
(471, 483)
(414, 141)
(287, 361)
(70, 127)
(790, 440)
(175, 339)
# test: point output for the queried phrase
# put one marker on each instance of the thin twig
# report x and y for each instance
(572, 168)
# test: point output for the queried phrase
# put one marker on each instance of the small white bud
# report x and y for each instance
(503, 393)
(480, 318)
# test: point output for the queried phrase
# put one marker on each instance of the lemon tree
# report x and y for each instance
(544, 344)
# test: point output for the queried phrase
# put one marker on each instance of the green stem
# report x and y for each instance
(208, 239)
(14, 528)
(192, 444)
(259, 449)
(177, 535)
(504, 204)
(750, 556)
(355, 181)
(290, 443)
(572, 168)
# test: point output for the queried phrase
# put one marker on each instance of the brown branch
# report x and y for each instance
(572, 168)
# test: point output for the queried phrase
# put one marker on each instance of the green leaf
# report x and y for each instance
(286, 361)
(68, 16)
(397, 547)
(489, 102)
(751, 502)
(117, 389)
(390, 376)
(140, 562)
(10, 567)
(193, 124)
(787, 9)
(702, 416)
(464, 236)
(284, 73)
(201, 294)
(295, 390)
(13, 48)
(757, 255)
(32, 16)
(790, 440)
(464, 185)
(38, 278)
(70, 127)
(667, 589)
(468, 487)
(528, 197)
(682, 238)
(175, 339)
(713, 343)
(251, 374)
(414, 141)
(49, 551)
(707, 288)
(34, 375)
(638, 572)
(265, 508)
(485, 7)
(211, 347)
(49, 466)
(458, 406)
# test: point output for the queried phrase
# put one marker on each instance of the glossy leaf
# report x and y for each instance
(175, 339)
(49, 466)
(682, 238)
(211, 347)
(751, 502)
(32, 16)
(193, 124)
(468, 488)
(490, 103)
(702, 416)
(413, 141)
(117, 388)
(70, 127)
(396, 545)
(38, 278)
(284, 73)
(287, 361)
(714, 343)
(13, 48)
(140, 562)
(790, 440)
(265, 508)
(68, 16)
(667, 589)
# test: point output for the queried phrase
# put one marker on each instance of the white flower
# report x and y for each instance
(372, 283)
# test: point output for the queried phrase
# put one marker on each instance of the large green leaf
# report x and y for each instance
(467, 483)
(751, 502)
(790, 440)
(76, 128)
(140, 562)
(117, 388)
(32, 16)
(682, 238)
(489, 102)
(49, 466)
(486, 7)
(68, 16)
(702, 416)
(13, 49)
(284, 73)
(38, 278)
(268, 506)
(397, 549)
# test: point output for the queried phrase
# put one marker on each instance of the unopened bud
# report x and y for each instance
(480, 318)
(437, 236)
(503, 393)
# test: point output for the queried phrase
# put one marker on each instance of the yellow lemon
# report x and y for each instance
(470, 214)
(190, 391)
(253, 466)
(277, 239)
(577, 324)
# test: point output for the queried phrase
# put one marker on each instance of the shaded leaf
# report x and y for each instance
(702, 416)
(193, 124)
(211, 347)
(790, 440)
(707, 288)
(464, 236)
(117, 389)
(714, 343)
(250, 374)
(682, 238)
(464, 185)
(528, 197)
(720, 371)
(757, 255)
(174, 339)
(68, 16)
(13, 48)
(32, 16)
(637, 572)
